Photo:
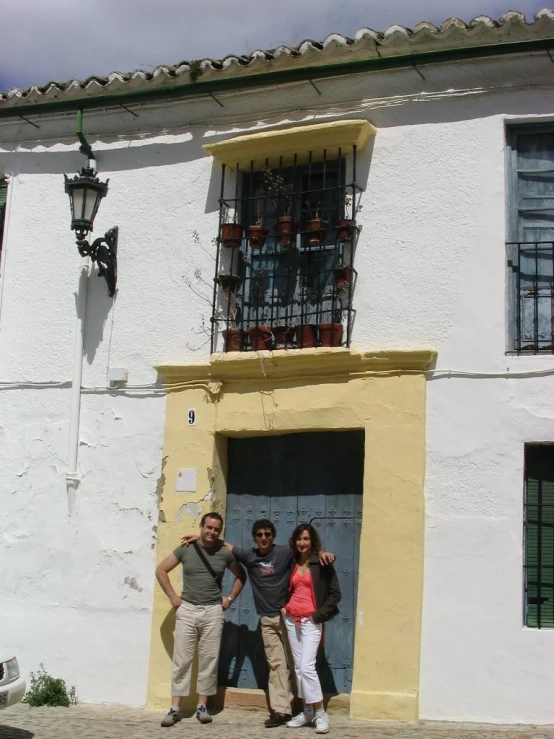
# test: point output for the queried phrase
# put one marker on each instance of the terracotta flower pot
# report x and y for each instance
(256, 236)
(345, 230)
(330, 334)
(233, 339)
(317, 228)
(260, 337)
(343, 278)
(286, 228)
(231, 235)
(306, 337)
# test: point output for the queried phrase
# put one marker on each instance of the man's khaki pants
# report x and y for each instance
(276, 650)
(196, 626)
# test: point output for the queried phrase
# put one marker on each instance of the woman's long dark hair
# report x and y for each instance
(312, 533)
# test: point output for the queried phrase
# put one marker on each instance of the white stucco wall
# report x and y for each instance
(77, 578)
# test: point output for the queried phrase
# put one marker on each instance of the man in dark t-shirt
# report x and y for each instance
(269, 566)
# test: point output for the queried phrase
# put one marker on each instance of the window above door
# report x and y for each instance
(288, 231)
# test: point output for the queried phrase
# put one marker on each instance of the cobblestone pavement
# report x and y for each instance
(105, 722)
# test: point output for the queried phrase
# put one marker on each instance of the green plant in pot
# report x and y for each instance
(281, 194)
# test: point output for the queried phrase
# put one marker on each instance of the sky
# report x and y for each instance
(43, 40)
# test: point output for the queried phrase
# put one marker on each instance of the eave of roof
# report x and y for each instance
(335, 56)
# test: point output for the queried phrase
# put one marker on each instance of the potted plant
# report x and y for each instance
(306, 336)
(343, 278)
(260, 337)
(281, 194)
(231, 231)
(232, 335)
(346, 226)
(330, 334)
(317, 228)
(256, 232)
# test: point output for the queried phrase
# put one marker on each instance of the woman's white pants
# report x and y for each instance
(304, 641)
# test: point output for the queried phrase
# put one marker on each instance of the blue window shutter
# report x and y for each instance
(535, 185)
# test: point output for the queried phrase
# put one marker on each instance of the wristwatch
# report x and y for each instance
(230, 598)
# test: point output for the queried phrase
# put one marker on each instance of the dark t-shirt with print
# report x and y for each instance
(269, 577)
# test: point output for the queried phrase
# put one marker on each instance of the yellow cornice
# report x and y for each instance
(296, 364)
(256, 148)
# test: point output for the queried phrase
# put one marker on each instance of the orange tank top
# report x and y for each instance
(302, 602)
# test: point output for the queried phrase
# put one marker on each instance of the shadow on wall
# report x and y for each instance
(98, 306)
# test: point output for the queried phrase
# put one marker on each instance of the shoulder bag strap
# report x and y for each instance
(207, 565)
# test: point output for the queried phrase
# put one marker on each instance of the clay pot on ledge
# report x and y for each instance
(330, 334)
(260, 337)
(306, 337)
(346, 230)
(234, 339)
(257, 235)
(286, 228)
(231, 235)
(317, 228)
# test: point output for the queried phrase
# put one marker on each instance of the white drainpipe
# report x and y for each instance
(72, 476)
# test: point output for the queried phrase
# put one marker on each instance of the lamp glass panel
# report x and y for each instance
(78, 194)
(90, 204)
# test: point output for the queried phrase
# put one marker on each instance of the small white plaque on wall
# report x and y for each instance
(185, 481)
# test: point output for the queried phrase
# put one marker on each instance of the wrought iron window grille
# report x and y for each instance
(531, 266)
(287, 237)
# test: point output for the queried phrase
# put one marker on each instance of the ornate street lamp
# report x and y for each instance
(85, 193)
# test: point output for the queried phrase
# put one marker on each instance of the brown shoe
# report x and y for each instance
(277, 719)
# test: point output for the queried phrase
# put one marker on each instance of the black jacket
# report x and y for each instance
(326, 589)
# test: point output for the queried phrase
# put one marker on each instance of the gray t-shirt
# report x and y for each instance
(199, 587)
(269, 577)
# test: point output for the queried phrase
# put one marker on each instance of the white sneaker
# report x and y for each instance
(301, 720)
(322, 725)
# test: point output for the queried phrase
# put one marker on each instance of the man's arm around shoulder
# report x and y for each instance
(162, 575)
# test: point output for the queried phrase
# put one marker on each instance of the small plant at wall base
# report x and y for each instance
(46, 690)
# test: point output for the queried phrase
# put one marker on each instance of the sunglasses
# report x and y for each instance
(263, 535)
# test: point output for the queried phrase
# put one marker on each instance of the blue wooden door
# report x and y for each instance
(293, 478)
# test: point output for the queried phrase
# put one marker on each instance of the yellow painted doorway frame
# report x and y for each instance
(256, 393)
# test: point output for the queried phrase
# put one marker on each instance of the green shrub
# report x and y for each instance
(46, 690)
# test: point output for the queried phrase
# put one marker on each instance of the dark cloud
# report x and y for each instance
(42, 40)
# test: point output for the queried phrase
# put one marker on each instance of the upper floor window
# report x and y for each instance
(531, 239)
(285, 259)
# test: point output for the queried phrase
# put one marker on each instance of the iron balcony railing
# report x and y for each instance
(285, 273)
(531, 286)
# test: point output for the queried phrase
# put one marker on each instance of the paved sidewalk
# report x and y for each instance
(105, 722)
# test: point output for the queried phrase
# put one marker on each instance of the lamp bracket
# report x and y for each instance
(103, 251)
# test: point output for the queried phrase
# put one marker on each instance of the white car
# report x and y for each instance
(12, 685)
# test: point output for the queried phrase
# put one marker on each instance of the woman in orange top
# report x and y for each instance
(313, 596)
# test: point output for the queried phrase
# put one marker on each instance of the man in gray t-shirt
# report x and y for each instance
(199, 613)
(269, 567)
